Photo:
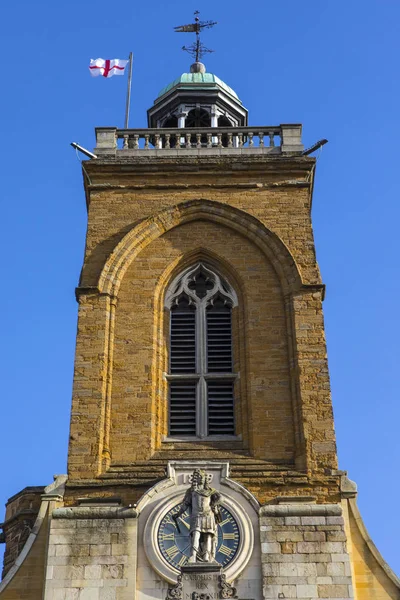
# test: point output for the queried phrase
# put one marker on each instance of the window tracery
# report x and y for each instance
(201, 377)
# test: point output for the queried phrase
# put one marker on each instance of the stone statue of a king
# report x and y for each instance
(203, 504)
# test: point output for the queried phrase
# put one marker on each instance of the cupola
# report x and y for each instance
(197, 99)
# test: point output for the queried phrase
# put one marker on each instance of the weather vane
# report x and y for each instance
(197, 49)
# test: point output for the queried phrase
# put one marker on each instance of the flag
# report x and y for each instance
(107, 68)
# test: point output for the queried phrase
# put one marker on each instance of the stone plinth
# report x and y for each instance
(201, 581)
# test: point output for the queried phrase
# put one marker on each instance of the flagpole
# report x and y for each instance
(128, 93)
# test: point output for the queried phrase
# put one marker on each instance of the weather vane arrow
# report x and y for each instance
(197, 49)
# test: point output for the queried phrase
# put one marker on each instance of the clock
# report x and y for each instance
(167, 546)
(174, 538)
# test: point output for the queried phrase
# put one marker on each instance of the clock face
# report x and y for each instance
(174, 543)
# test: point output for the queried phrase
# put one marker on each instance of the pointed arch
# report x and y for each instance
(161, 332)
(153, 227)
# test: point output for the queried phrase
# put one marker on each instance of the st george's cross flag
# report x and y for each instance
(107, 68)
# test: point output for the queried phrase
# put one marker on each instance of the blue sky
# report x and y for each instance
(332, 66)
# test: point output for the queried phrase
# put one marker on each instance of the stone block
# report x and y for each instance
(72, 550)
(289, 536)
(68, 572)
(307, 591)
(118, 549)
(336, 536)
(306, 569)
(271, 569)
(288, 570)
(272, 591)
(289, 591)
(308, 547)
(292, 521)
(270, 548)
(68, 524)
(100, 549)
(334, 521)
(112, 571)
(336, 569)
(333, 591)
(314, 520)
(72, 594)
(108, 594)
(89, 593)
(332, 547)
(92, 572)
(314, 536)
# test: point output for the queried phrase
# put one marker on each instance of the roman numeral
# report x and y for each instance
(225, 550)
(172, 552)
(168, 536)
(182, 561)
(225, 521)
(228, 536)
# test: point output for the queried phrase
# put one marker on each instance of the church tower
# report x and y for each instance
(202, 460)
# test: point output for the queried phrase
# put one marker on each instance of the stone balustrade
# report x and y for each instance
(281, 139)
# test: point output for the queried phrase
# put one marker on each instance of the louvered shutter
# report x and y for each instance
(220, 398)
(183, 337)
(182, 408)
(201, 378)
(220, 408)
(219, 337)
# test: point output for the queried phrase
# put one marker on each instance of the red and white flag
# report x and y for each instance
(107, 68)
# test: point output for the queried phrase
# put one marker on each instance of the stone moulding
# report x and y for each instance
(301, 510)
(95, 512)
(153, 227)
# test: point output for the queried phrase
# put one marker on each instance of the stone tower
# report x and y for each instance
(201, 400)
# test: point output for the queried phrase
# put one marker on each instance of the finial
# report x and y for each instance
(197, 67)
(197, 49)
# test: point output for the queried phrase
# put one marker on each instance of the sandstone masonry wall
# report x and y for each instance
(92, 554)
(303, 552)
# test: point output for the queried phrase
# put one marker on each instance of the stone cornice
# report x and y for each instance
(95, 512)
(301, 510)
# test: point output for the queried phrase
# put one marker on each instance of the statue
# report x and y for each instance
(203, 502)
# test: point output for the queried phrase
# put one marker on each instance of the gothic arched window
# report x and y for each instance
(201, 378)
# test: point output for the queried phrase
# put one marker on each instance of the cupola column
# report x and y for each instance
(214, 116)
(181, 119)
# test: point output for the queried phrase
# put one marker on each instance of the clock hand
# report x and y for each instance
(184, 522)
(175, 519)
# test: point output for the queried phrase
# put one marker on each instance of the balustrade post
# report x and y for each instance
(251, 141)
(146, 141)
(230, 143)
(240, 137)
(126, 140)
(261, 139)
(219, 143)
(167, 142)
(198, 140)
(271, 139)
(188, 143)
(209, 140)
(157, 141)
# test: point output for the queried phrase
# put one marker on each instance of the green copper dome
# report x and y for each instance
(200, 81)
